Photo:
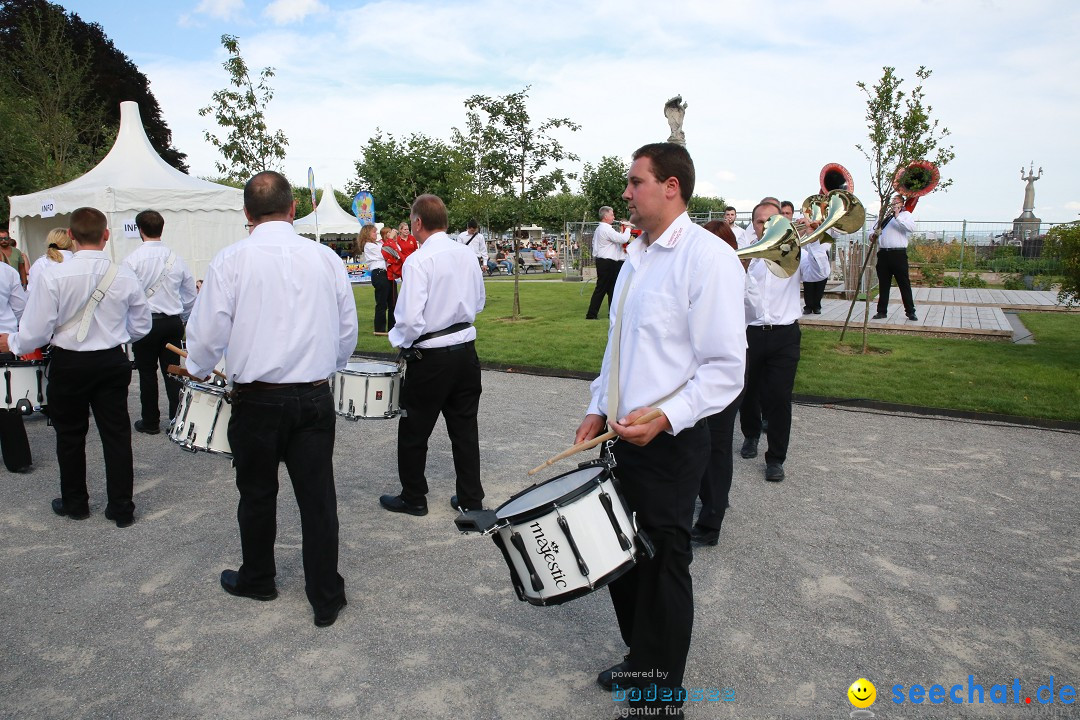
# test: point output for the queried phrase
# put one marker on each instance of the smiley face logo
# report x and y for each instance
(862, 693)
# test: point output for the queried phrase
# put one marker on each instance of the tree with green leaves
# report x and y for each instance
(604, 184)
(249, 147)
(503, 153)
(397, 171)
(901, 131)
(1063, 243)
(703, 204)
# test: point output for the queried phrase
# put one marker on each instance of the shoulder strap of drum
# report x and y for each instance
(456, 327)
(83, 317)
(169, 262)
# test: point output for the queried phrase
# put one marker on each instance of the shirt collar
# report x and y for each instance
(675, 232)
(82, 254)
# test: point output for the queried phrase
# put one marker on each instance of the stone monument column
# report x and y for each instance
(1027, 225)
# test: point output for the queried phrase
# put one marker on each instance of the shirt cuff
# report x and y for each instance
(678, 414)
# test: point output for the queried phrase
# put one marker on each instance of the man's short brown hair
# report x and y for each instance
(267, 193)
(670, 160)
(432, 212)
(88, 225)
(150, 223)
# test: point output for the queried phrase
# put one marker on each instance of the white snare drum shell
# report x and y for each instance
(367, 390)
(202, 419)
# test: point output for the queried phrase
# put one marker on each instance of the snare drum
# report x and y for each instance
(568, 536)
(202, 419)
(368, 389)
(25, 385)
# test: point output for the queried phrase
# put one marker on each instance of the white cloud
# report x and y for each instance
(767, 107)
(221, 9)
(284, 12)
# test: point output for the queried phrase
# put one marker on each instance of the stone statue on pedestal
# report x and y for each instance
(1027, 226)
(1029, 191)
(675, 111)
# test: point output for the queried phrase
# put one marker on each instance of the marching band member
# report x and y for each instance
(678, 317)
(14, 444)
(892, 259)
(283, 307)
(441, 294)
(609, 255)
(89, 307)
(170, 292)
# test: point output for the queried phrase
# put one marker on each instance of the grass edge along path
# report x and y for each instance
(1025, 381)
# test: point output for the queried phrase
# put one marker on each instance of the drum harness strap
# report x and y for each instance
(169, 262)
(613, 374)
(83, 317)
(414, 353)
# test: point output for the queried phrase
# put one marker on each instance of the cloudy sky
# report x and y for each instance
(770, 84)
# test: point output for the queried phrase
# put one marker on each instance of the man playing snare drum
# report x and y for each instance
(681, 348)
(284, 308)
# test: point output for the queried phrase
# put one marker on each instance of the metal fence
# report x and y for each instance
(942, 252)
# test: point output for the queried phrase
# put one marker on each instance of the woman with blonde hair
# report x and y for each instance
(371, 251)
(59, 250)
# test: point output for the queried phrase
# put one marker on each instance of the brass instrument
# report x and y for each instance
(835, 176)
(917, 179)
(779, 247)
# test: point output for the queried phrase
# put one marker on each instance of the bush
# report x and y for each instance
(932, 275)
(968, 280)
(1014, 282)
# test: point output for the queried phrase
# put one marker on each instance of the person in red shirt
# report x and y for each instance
(397, 245)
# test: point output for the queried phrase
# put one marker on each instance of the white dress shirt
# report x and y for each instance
(61, 293)
(814, 262)
(441, 285)
(608, 244)
(373, 255)
(175, 294)
(895, 234)
(682, 327)
(478, 244)
(40, 265)
(780, 303)
(12, 299)
(280, 303)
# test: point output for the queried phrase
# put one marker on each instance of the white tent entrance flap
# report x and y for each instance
(201, 217)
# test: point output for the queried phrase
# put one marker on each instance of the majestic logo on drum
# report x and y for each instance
(548, 550)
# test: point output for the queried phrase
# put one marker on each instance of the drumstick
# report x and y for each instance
(648, 417)
(183, 353)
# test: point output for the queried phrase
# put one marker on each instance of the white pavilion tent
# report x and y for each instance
(201, 217)
(334, 223)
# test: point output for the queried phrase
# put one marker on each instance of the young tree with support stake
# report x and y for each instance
(249, 147)
(901, 131)
(504, 154)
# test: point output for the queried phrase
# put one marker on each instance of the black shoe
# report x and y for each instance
(24, 469)
(394, 503)
(229, 579)
(774, 472)
(590, 317)
(328, 618)
(912, 316)
(704, 536)
(58, 508)
(122, 521)
(749, 448)
(879, 316)
(605, 679)
(817, 312)
(147, 428)
(457, 506)
(806, 311)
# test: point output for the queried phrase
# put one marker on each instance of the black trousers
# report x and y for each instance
(446, 382)
(716, 480)
(654, 601)
(382, 286)
(79, 382)
(772, 358)
(14, 445)
(813, 292)
(893, 264)
(150, 356)
(607, 272)
(293, 424)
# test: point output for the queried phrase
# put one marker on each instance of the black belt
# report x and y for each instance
(161, 316)
(767, 328)
(881, 249)
(259, 385)
(446, 348)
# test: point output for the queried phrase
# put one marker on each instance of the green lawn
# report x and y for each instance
(1039, 381)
